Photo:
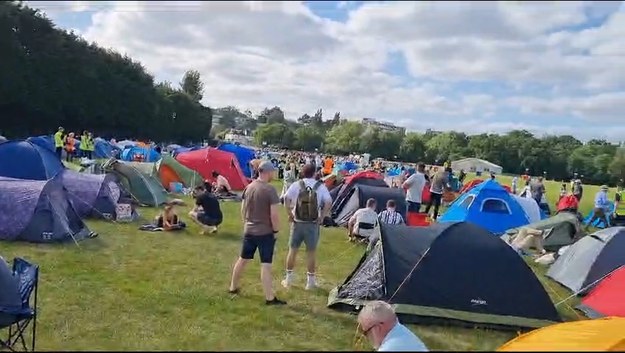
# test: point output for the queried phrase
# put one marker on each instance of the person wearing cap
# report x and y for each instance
(261, 223)
(59, 141)
(602, 205)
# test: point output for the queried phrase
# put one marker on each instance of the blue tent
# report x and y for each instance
(600, 223)
(27, 160)
(488, 205)
(45, 141)
(104, 149)
(149, 154)
(244, 156)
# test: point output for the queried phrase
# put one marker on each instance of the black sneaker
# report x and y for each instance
(275, 301)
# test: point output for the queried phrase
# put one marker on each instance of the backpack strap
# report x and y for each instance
(302, 184)
(317, 185)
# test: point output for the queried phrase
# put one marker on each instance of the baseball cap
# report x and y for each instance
(266, 166)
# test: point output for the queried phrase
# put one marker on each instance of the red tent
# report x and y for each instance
(363, 175)
(568, 202)
(207, 160)
(607, 298)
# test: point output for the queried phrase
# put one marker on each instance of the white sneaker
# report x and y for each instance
(287, 281)
(311, 283)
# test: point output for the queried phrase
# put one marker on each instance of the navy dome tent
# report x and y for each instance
(104, 149)
(38, 212)
(488, 205)
(449, 273)
(27, 160)
(590, 259)
(92, 195)
(45, 141)
(244, 156)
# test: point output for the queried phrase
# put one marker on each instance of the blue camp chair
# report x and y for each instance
(19, 320)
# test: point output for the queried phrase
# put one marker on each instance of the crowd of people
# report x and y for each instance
(68, 141)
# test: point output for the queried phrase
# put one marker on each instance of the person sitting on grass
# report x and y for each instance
(363, 223)
(207, 211)
(221, 184)
(390, 215)
(168, 219)
(378, 322)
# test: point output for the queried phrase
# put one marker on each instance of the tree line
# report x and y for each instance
(559, 157)
(51, 77)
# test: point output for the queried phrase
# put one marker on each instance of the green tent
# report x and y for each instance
(167, 170)
(561, 230)
(144, 187)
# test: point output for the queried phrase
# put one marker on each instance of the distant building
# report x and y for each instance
(216, 119)
(476, 165)
(384, 125)
(238, 138)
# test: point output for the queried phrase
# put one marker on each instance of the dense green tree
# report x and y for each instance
(344, 138)
(192, 85)
(307, 138)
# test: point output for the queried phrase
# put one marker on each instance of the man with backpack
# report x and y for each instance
(307, 202)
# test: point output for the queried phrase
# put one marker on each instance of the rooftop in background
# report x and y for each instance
(384, 125)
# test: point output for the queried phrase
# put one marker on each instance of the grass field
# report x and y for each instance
(133, 290)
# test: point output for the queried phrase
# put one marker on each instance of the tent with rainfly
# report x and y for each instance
(93, 196)
(38, 211)
(244, 156)
(607, 298)
(590, 259)
(600, 335)
(168, 170)
(358, 199)
(27, 160)
(448, 273)
(207, 160)
(144, 188)
(488, 205)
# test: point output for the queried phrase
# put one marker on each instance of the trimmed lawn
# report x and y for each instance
(135, 290)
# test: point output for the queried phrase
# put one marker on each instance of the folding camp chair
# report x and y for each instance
(20, 320)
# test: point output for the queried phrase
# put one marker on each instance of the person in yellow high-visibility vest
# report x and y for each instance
(87, 146)
(59, 141)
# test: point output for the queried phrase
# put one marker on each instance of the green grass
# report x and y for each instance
(133, 290)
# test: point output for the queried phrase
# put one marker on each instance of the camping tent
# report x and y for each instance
(125, 143)
(448, 273)
(27, 160)
(144, 188)
(560, 230)
(207, 160)
(168, 170)
(488, 205)
(144, 154)
(104, 149)
(92, 195)
(45, 141)
(3, 139)
(10, 293)
(576, 336)
(358, 197)
(340, 193)
(590, 259)
(244, 156)
(38, 211)
(607, 298)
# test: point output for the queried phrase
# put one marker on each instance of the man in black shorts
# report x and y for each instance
(260, 216)
(207, 212)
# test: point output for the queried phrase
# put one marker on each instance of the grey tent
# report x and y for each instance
(92, 195)
(560, 230)
(590, 259)
(358, 196)
(144, 188)
(10, 294)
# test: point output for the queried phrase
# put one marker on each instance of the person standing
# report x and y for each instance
(537, 188)
(414, 189)
(308, 203)
(59, 141)
(86, 143)
(578, 190)
(261, 220)
(602, 207)
(70, 147)
(437, 187)
(515, 182)
(379, 324)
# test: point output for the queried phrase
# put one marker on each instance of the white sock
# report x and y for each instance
(289, 275)
(311, 277)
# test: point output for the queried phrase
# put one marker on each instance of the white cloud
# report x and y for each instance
(256, 54)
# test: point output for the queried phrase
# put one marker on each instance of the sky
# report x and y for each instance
(548, 67)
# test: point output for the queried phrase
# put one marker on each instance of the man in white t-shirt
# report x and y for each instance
(414, 189)
(363, 223)
(305, 226)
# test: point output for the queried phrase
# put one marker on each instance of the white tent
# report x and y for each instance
(476, 165)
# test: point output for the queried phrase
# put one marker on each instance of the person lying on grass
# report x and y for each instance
(207, 211)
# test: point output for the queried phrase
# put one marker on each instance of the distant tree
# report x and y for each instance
(192, 85)
(307, 138)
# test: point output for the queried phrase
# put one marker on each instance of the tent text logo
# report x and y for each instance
(478, 302)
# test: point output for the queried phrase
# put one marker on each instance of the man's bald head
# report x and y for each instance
(377, 311)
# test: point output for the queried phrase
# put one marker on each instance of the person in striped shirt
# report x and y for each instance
(390, 215)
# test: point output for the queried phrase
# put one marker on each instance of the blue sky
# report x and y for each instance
(550, 68)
